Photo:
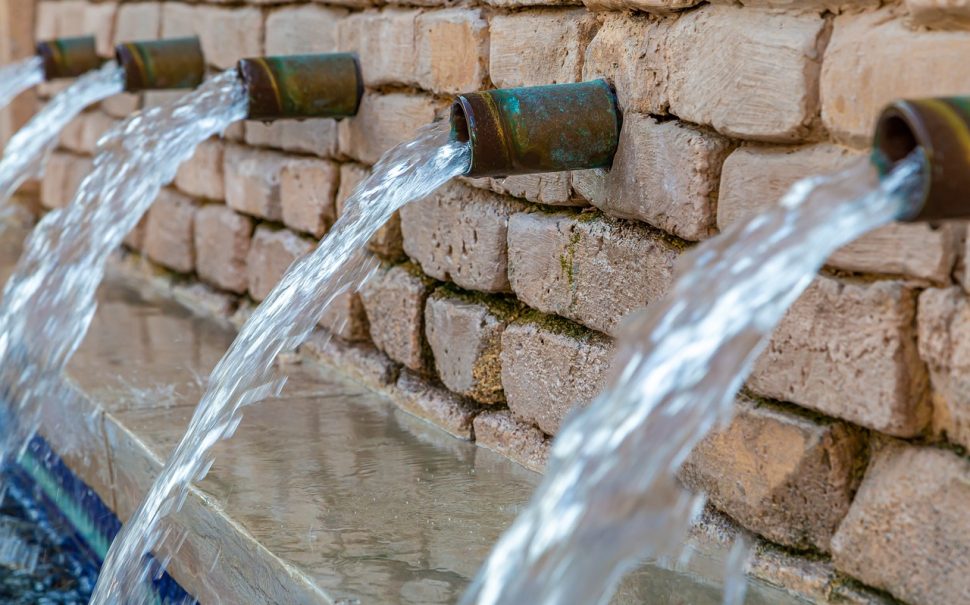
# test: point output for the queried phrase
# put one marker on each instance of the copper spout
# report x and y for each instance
(302, 86)
(161, 64)
(68, 57)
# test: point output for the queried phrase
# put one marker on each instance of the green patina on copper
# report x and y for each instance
(161, 64)
(941, 128)
(68, 57)
(303, 86)
(538, 129)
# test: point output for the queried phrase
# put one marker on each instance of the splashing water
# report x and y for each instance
(18, 77)
(610, 496)
(284, 320)
(28, 150)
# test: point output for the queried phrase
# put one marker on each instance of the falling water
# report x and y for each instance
(244, 375)
(610, 497)
(18, 77)
(28, 150)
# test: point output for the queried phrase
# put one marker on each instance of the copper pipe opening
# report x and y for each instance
(302, 86)
(68, 57)
(161, 64)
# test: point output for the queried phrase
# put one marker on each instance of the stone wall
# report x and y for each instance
(495, 310)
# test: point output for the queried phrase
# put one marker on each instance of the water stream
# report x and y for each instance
(610, 497)
(18, 77)
(281, 323)
(27, 151)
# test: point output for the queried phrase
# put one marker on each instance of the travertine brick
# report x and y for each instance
(95, 125)
(748, 73)
(394, 299)
(436, 404)
(382, 122)
(781, 474)
(271, 253)
(907, 530)
(754, 179)
(63, 175)
(849, 350)
(204, 174)
(316, 136)
(628, 50)
(664, 173)
(835, 6)
(385, 42)
(222, 240)
(345, 317)
(307, 191)
(551, 188)
(592, 269)
(136, 22)
(550, 367)
(466, 337)
(539, 47)
(169, 232)
(68, 18)
(501, 432)
(944, 343)
(886, 60)
(227, 34)
(253, 181)
(650, 6)
(135, 239)
(939, 14)
(121, 106)
(302, 30)
(459, 234)
(452, 50)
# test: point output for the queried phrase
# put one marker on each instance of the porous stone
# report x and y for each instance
(271, 253)
(382, 122)
(939, 14)
(551, 188)
(779, 473)
(307, 29)
(170, 231)
(749, 73)
(345, 317)
(539, 47)
(460, 234)
(317, 136)
(227, 34)
(253, 181)
(387, 242)
(906, 531)
(307, 191)
(664, 173)
(204, 175)
(385, 41)
(551, 367)
(438, 405)
(465, 336)
(589, 268)
(62, 177)
(222, 240)
(394, 300)
(650, 6)
(849, 350)
(944, 343)
(519, 441)
(452, 50)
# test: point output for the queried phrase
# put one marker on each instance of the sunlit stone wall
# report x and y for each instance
(496, 309)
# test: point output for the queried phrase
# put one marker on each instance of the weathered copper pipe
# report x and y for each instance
(68, 57)
(302, 86)
(538, 129)
(161, 64)
(941, 127)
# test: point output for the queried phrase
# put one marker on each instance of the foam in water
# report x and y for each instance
(27, 151)
(18, 77)
(610, 496)
(284, 320)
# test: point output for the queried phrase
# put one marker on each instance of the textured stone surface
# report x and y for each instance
(664, 173)
(315, 136)
(783, 475)
(539, 47)
(465, 336)
(170, 231)
(253, 181)
(394, 299)
(939, 14)
(382, 122)
(388, 243)
(360, 361)
(270, 255)
(551, 188)
(592, 269)
(385, 42)
(652, 6)
(345, 317)
(452, 50)
(849, 350)
(459, 234)
(141, 21)
(227, 34)
(63, 176)
(438, 405)
(222, 240)
(303, 30)
(906, 531)
(550, 367)
(500, 432)
(204, 175)
(944, 343)
(308, 188)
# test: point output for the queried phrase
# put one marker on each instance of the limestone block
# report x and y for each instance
(664, 173)
(944, 343)
(384, 121)
(749, 73)
(253, 181)
(783, 475)
(460, 234)
(204, 174)
(170, 231)
(222, 240)
(592, 270)
(539, 47)
(307, 191)
(849, 350)
(270, 255)
(906, 531)
(452, 50)
(550, 368)
(394, 300)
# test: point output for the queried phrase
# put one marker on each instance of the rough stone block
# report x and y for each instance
(664, 173)
(253, 181)
(452, 50)
(360, 361)
(521, 442)
(204, 175)
(885, 60)
(170, 231)
(136, 22)
(227, 34)
(63, 176)
(95, 125)
(539, 47)
(650, 6)
(394, 300)
(849, 350)
(382, 122)
(316, 136)
(385, 41)
(388, 243)
(345, 317)
(222, 240)
(939, 14)
(460, 234)
(906, 531)
(307, 191)
(781, 474)
(594, 270)
(69, 18)
(271, 253)
(551, 367)
(121, 106)
(551, 189)
(748, 73)
(302, 30)
(435, 404)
